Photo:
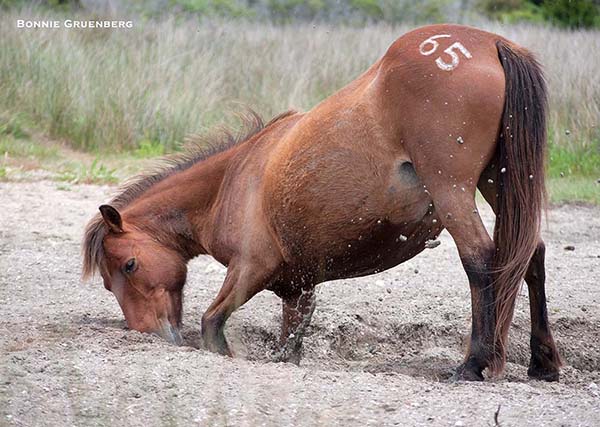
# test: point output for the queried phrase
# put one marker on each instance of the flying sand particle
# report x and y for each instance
(430, 244)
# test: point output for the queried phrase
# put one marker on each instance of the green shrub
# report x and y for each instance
(371, 8)
(431, 11)
(497, 8)
(284, 11)
(572, 13)
(563, 13)
(63, 5)
(529, 12)
(6, 4)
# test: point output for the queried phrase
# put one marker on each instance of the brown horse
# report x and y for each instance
(356, 185)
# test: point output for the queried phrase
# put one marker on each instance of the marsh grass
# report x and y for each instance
(150, 86)
(123, 95)
(12, 125)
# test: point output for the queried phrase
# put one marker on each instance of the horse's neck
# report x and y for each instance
(178, 208)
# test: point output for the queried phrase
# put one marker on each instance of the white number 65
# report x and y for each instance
(432, 42)
(450, 51)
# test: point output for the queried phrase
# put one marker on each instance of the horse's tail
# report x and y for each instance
(521, 186)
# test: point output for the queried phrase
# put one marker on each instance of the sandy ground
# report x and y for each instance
(379, 350)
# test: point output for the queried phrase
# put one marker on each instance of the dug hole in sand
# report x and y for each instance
(378, 352)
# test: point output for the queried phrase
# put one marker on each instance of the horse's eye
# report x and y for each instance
(130, 266)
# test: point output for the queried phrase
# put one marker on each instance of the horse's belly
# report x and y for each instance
(391, 247)
(352, 218)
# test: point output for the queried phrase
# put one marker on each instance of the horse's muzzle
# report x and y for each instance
(169, 332)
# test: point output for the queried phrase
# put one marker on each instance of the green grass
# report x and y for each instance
(20, 155)
(15, 140)
(13, 125)
(574, 160)
(80, 173)
(574, 172)
(574, 189)
(149, 149)
(111, 169)
(26, 149)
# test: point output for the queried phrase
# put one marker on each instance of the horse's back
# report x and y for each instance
(433, 85)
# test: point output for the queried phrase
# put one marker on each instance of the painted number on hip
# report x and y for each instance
(430, 45)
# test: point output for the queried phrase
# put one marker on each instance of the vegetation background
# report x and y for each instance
(89, 105)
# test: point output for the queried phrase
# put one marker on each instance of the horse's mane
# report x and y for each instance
(198, 148)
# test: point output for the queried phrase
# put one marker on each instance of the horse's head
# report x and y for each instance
(145, 276)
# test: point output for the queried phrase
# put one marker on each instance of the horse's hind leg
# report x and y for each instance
(457, 210)
(545, 360)
(297, 310)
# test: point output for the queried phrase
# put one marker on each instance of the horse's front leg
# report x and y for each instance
(243, 281)
(297, 311)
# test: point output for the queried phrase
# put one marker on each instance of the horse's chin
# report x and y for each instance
(169, 332)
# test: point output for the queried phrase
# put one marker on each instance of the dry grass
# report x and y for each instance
(107, 90)
(571, 66)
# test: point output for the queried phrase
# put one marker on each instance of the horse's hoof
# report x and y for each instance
(218, 348)
(463, 373)
(283, 356)
(541, 374)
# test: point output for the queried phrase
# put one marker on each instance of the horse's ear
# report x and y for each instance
(112, 218)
